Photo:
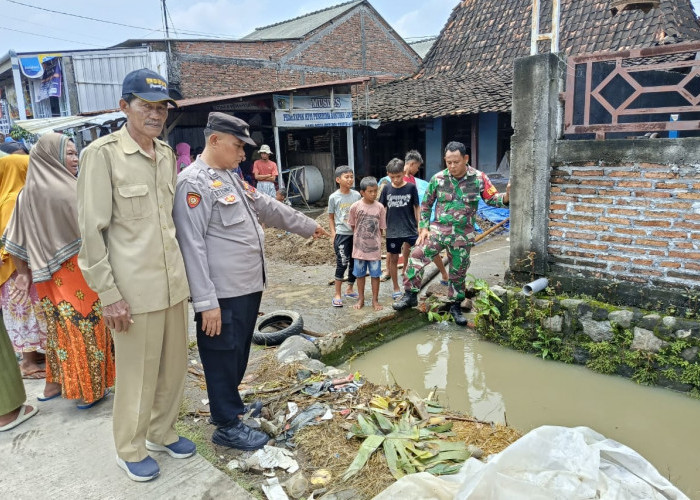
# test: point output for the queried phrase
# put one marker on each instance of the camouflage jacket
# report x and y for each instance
(457, 201)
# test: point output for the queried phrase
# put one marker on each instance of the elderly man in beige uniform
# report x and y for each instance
(216, 215)
(131, 258)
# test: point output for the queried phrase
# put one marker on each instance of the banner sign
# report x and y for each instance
(309, 111)
(32, 67)
(51, 81)
(260, 105)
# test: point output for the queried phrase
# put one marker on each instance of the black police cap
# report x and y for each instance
(221, 122)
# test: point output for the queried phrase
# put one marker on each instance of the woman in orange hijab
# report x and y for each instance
(24, 320)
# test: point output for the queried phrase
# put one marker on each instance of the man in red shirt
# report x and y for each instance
(265, 172)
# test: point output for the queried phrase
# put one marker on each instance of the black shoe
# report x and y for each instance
(240, 436)
(409, 299)
(255, 408)
(456, 312)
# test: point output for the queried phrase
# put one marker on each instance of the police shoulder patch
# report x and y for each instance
(193, 199)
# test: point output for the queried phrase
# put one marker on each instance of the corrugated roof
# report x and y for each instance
(40, 126)
(423, 46)
(300, 26)
(482, 39)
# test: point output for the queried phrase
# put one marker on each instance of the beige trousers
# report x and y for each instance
(151, 364)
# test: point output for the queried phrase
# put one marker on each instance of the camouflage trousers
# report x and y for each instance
(458, 249)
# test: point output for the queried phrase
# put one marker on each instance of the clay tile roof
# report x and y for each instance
(468, 68)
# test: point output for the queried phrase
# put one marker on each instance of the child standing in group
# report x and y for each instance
(402, 211)
(339, 204)
(368, 221)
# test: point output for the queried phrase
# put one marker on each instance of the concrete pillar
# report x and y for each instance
(536, 82)
(433, 147)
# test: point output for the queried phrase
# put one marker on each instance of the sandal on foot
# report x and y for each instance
(48, 398)
(34, 374)
(397, 295)
(22, 416)
(444, 282)
(337, 303)
(352, 295)
(85, 406)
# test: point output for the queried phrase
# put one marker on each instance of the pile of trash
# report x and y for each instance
(339, 436)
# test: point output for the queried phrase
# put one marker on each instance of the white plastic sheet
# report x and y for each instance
(547, 463)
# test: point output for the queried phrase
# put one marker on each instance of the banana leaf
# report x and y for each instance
(448, 456)
(444, 469)
(383, 422)
(447, 426)
(368, 428)
(368, 447)
(405, 462)
(392, 458)
(379, 402)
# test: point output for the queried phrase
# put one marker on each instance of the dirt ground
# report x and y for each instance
(288, 247)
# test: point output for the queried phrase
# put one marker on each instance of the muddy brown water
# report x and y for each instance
(494, 383)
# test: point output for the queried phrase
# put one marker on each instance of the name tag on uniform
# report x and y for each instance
(222, 192)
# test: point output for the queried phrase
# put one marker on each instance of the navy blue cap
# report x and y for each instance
(147, 85)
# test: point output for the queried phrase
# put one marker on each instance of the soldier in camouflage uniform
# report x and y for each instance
(456, 191)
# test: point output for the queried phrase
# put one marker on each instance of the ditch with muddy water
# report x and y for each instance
(494, 383)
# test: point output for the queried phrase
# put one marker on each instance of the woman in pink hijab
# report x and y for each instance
(183, 156)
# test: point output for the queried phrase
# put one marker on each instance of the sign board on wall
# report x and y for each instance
(32, 66)
(310, 111)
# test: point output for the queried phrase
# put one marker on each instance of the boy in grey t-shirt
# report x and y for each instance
(339, 204)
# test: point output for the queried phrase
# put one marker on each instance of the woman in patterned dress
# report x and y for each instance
(25, 321)
(43, 239)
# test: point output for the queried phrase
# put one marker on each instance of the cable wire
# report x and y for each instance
(47, 36)
(184, 32)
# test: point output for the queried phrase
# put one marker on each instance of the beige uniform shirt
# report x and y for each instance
(125, 202)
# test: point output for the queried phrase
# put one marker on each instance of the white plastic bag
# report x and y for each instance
(547, 463)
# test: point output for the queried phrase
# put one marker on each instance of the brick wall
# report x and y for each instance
(342, 47)
(632, 221)
(332, 52)
(249, 50)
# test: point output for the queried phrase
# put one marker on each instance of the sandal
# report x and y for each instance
(397, 295)
(34, 374)
(352, 295)
(337, 303)
(444, 282)
(48, 398)
(22, 416)
(85, 406)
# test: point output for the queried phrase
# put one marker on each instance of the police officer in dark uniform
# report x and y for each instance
(216, 216)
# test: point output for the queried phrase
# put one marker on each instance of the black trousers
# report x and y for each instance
(225, 356)
(343, 257)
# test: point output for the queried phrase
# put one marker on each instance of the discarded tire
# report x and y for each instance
(282, 324)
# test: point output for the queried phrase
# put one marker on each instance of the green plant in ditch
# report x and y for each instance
(546, 345)
(644, 364)
(436, 316)
(487, 312)
(605, 357)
